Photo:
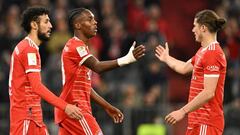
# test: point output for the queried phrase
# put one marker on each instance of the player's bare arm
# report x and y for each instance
(179, 66)
(112, 111)
(101, 66)
(210, 84)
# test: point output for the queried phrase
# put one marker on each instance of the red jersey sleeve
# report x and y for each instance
(30, 59)
(42, 91)
(212, 62)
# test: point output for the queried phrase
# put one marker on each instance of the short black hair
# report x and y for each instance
(212, 21)
(32, 14)
(73, 14)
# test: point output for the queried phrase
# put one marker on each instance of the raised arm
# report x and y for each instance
(112, 111)
(102, 66)
(179, 66)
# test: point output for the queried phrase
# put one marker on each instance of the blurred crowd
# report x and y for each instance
(141, 90)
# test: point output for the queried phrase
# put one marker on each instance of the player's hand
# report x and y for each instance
(133, 55)
(115, 114)
(73, 111)
(175, 117)
(137, 52)
(162, 53)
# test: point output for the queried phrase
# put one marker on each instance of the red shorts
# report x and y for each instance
(86, 126)
(203, 130)
(28, 127)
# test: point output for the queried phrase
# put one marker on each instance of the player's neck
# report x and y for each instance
(34, 38)
(208, 40)
(81, 36)
(84, 39)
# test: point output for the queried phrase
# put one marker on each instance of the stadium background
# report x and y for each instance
(145, 91)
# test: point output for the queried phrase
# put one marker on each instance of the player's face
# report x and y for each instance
(197, 31)
(88, 24)
(44, 28)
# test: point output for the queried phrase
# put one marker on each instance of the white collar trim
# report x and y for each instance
(205, 48)
(32, 42)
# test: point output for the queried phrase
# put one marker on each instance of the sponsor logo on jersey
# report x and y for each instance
(213, 68)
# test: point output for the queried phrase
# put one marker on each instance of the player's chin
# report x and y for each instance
(47, 37)
(196, 39)
(93, 34)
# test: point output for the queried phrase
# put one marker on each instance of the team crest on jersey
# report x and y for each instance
(82, 51)
(32, 59)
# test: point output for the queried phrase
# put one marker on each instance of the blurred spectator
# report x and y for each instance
(60, 35)
(153, 75)
(232, 118)
(155, 16)
(231, 41)
(136, 16)
(131, 96)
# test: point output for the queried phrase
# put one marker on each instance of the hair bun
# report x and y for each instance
(220, 23)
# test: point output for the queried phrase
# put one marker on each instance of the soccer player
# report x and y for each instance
(208, 67)
(77, 65)
(25, 87)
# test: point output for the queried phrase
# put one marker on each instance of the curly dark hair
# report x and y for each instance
(32, 14)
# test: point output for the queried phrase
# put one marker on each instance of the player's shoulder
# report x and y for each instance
(25, 45)
(214, 49)
(74, 43)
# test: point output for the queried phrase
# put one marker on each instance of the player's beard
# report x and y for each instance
(42, 36)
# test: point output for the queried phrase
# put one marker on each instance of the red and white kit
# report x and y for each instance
(76, 90)
(208, 62)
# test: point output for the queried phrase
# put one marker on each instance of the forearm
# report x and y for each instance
(103, 66)
(100, 66)
(99, 100)
(210, 84)
(43, 92)
(177, 65)
(202, 98)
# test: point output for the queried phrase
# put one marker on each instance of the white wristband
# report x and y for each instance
(127, 59)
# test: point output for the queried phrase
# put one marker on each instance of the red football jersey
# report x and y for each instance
(208, 62)
(24, 103)
(76, 77)
(26, 89)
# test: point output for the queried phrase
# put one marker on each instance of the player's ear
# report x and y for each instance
(34, 25)
(77, 26)
(204, 28)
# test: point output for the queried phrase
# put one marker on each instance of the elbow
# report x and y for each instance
(98, 70)
(210, 95)
(183, 72)
(96, 67)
